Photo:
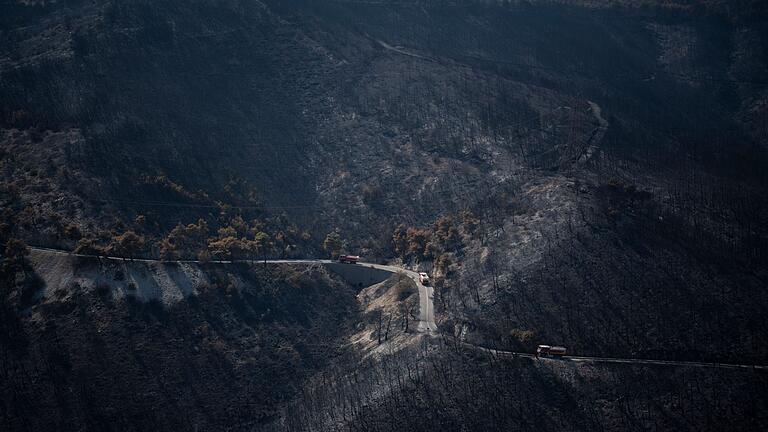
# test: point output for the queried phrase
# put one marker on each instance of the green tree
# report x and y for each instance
(204, 256)
(281, 243)
(225, 248)
(185, 240)
(168, 250)
(333, 244)
(227, 231)
(261, 244)
(88, 246)
(239, 225)
(127, 245)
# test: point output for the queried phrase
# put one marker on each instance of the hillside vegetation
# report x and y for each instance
(584, 173)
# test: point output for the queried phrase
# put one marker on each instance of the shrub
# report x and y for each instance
(88, 246)
(185, 240)
(128, 244)
(168, 250)
(523, 336)
(333, 244)
(72, 231)
(204, 256)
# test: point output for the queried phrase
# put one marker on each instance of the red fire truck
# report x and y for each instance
(349, 259)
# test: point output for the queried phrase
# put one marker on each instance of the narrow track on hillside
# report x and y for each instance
(426, 293)
(616, 360)
(427, 323)
(592, 144)
(399, 50)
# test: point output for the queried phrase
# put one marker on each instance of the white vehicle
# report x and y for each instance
(424, 278)
(548, 350)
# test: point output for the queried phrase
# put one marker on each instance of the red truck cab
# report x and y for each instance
(349, 259)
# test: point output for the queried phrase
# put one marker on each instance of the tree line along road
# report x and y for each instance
(427, 323)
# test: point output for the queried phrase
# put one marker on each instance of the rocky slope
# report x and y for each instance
(136, 346)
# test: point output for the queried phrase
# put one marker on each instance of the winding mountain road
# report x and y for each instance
(426, 293)
(426, 296)
(427, 314)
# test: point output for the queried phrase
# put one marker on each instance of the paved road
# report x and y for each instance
(427, 315)
(426, 297)
(633, 361)
(426, 294)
